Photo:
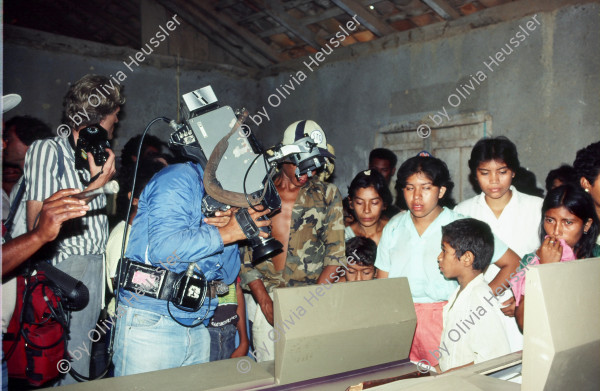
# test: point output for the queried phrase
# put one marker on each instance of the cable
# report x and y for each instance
(271, 173)
(196, 324)
(244, 185)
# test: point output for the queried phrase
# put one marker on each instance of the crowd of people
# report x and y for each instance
(463, 262)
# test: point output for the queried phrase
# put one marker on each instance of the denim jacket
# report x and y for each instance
(168, 231)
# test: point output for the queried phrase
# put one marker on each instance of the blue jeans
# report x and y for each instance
(222, 342)
(146, 341)
(87, 269)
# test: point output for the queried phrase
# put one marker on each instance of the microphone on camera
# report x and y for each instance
(75, 293)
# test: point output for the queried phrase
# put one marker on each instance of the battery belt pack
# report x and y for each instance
(156, 282)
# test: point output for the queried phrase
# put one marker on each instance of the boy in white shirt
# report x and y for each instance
(473, 322)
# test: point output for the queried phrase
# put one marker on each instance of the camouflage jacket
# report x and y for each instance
(316, 240)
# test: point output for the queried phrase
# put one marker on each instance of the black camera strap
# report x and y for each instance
(247, 224)
(92, 179)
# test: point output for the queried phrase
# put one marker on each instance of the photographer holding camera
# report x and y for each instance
(55, 164)
(173, 245)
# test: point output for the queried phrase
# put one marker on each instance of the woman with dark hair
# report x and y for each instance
(568, 229)
(587, 167)
(561, 176)
(513, 215)
(435, 170)
(411, 243)
(369, 196)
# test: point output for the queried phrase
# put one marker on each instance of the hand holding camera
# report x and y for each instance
(106, 170)
(93, 151)
(221, 217)
(232, 232)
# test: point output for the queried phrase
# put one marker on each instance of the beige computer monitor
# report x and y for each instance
(561, 340)
(330, 329)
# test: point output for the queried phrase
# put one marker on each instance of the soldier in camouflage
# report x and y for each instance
(309, 225)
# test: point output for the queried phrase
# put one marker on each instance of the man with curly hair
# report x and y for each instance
(49, 167)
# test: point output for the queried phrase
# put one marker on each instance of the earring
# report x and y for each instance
(587, 190)
(585, 232)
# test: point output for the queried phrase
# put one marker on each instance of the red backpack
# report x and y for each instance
(36, 337)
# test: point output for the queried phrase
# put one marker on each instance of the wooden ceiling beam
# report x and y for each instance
(327, 14)
(443, 9)
(242, 32)
(287, 5)
(226, 35)
(274, 9)
(365, 17)
(200, 27)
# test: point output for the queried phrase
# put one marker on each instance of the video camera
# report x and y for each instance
(217, 138)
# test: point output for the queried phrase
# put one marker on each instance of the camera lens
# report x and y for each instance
(265, 248)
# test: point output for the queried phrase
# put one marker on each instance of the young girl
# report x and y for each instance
(410, 245)
(512, 215)
(369, 196)
(567, 231)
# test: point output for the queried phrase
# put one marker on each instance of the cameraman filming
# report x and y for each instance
(50, 165)
(169, 234)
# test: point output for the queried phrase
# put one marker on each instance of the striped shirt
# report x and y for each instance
(81, 236)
